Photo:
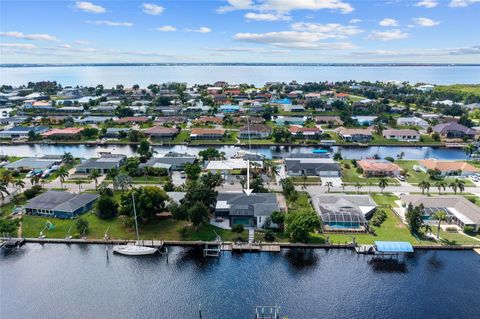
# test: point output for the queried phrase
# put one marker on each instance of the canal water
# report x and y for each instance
(84, 151)
(61, 281)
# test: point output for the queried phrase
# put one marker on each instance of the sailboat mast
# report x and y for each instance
(135, 214)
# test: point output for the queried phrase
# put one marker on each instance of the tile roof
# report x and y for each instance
(449, 166)
(378, 165)
(207, 131)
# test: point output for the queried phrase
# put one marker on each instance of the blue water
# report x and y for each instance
(258, 75)
(86, 151)
(60, 281)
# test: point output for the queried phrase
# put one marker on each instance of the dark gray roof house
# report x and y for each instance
(103, 164)
(312, 167)
(250, 211)
(176, 162)
(60, 204)
(454, 130)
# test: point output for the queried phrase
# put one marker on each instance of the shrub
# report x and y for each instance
(269, 235)
(390, 159)
(359, 170)
(81, 225)
(238, 228)
(32, 192)
(347, 166)
(451, 229)
(183, 231)
(469, 229)
(106, 207)
(378, 218)
(354, 162)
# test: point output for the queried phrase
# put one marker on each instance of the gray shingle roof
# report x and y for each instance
(60, 201)
(257, 204)
(316, 164)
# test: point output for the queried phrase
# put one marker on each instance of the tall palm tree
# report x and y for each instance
(453, 185)
(67, 157)
(43, 181)
(328, 184)
(424, 185)
(7, 178)
(382, 183)
(122, 181)
(440, 216)
(358, 186)
(440, 185)
(62, 173)
(460, 185)
(304, 179)
(34, 180)
(94, 175)
(19, 184)
(469, 150)
(3, 190)
(79, 182)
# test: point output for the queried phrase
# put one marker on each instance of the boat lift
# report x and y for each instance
(213, 249)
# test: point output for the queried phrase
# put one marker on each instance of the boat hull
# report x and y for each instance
(134, 250)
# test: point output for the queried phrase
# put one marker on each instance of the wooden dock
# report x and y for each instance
(250, 247)
(477, 250)
(149, 243)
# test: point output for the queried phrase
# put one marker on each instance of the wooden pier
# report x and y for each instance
(12, 242)
(150, 243)
(255, 248)
(477, 250)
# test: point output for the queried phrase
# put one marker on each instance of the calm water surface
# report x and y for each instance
(258, 75)
(85, 151)
(60, 281)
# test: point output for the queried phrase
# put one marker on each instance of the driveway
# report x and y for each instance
(336, 181)
(177, 180)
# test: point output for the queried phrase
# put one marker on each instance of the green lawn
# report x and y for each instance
(165, 229)
(350, 176)
(414, 177)
(181, 137)
(379, 139)
(298, 180)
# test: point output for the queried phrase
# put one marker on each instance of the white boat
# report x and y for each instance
(134, 250)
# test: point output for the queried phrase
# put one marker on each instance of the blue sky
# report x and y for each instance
(61, 31)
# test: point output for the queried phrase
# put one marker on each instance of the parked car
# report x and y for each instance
(401, 178)
(182, 174)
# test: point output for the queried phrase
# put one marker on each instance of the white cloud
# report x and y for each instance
(329, 30)
(286, 5)
(110, 23)
(388, 22)
(34, 37)
(293, 39)
(475, 50)
(389, 35)
(267, 16)
(355, 21)
(25, 46)
(462, 3)
(247, 50)
(152, 9)
(89, 7)
(427, 3)
(167, 28)
(425, 22)
(201, 30)
(81, 42)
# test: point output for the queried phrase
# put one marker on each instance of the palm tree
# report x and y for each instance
(7, 178)
(19, 183)
(122, 181)
(370, 184)
(42, 182)
(94, 175)
(424, 185)
(304, 178)
(440, 185)
(3, 190)
(358, 186)
(453, 185)
(79, 182)
(62, 174)
(382, 183)
(469, 150)
(328, 184)
(460, 185)
(67, 157)
(34, 180)
(440, 216)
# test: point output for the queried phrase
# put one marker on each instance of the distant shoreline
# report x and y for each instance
(36, 65)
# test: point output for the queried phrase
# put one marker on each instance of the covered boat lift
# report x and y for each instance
(391, 248)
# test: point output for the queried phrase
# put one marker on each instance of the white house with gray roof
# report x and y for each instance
(104, 164)
(250, 211)
(325, 167)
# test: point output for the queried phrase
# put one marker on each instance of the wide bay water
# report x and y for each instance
(110, 76)
(74, 281)
(85, 151)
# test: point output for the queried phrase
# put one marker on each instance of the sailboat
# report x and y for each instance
(134, 250)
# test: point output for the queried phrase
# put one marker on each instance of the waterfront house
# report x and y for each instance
(290, 120)
(64, 133)
(206, 134)
(176, 162)
(162, 132)
(168, 110)
(104, 109)
(412, 121)
(458, 210)
(115, 132)
(454, 130)
(402, 135)
(132, 119)
(34, 163)
(202, 120)
(284, 101)
(364, 120)
(328, 119)
(60, 204)
(305, 132)
(341, 96)
(229, 166)
(355, 134)
(104, 164)
(255, 131)
(229, 108)
(448, 168)
(13, 120)
(162, 120)
(93, 119)
(312, 166)
(342, 212)
(313, 96)
(22, 131)
(293, 108)
(250, 211)
(379, 168)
